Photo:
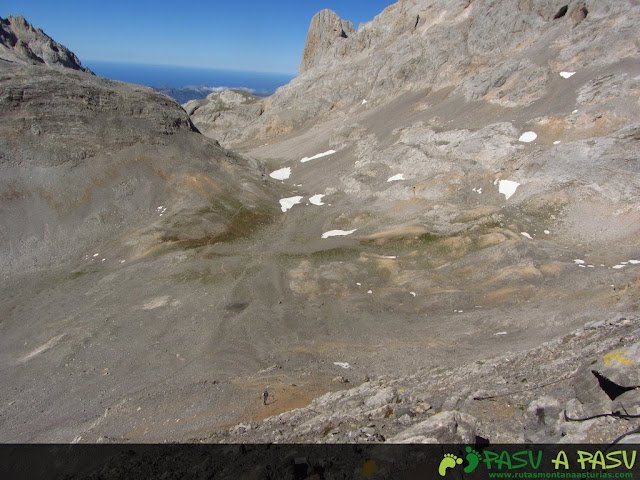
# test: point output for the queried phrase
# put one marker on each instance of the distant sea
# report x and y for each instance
(188, 83)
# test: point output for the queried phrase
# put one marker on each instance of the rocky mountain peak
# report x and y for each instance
(326, 32)
(21, 43)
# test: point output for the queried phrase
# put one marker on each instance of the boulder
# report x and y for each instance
(445, 427)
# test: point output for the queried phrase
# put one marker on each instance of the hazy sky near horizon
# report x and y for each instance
(252, 35)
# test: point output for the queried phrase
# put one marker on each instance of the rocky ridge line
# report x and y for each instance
(20, 42)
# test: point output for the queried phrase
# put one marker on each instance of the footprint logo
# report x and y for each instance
(449, 461)
(473, 458)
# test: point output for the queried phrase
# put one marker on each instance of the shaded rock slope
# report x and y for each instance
(86, 160)
(99, 179)
(432, 231)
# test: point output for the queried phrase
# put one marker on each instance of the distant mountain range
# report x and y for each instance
(185, 94)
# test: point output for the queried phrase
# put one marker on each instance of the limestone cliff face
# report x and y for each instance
(327, 33)
(21, 43)
(503, 52)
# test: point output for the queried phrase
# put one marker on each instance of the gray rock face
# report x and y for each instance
(20, 42)
(89, 158)
(218, 114)
(325, 38)
(507, 53)
(446, 427)
(610, 384)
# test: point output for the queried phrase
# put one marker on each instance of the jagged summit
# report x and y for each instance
(20, 42)
(327, 30)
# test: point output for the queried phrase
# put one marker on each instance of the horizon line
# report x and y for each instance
(207, 67)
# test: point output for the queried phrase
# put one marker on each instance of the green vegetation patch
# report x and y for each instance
(242, 222)
(77, 274)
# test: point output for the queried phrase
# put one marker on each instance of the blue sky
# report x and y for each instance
(255, 35)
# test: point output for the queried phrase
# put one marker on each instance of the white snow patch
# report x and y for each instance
(281, 174)
(288, 203)
(528, 137)
(525, 234)
(392, 257)
(618, 267)
(624, 263)
(575, 111)
(567, 74)
(500, 333)
(95, 255)
(156, 303)
(413, 294)
(41, 349)
(364, 102)
(342, 364)
(547, 232)
(577, 261)
(634, 262)
(316, 200)
(477, 190)
(359, 284)
(591, 266)
(557, 142)
(507, 188)
(396, 178)
(370, 292)
(336, 233)
(319, 155)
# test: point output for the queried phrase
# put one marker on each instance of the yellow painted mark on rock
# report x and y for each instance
(369, 469)
(608, 358)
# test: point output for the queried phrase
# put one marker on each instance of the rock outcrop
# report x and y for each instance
(505, 53)
(326, 34)
(220, 112)
(20, 42)
(537, 396)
